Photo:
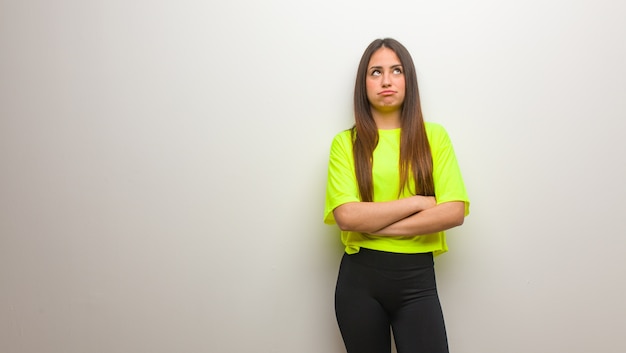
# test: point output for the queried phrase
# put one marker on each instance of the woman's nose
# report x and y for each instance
(386, 81)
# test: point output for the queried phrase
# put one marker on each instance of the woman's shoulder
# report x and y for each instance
(432, 127)
(437, 134)
(343, 136)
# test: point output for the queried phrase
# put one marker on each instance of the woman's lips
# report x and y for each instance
(386, 93)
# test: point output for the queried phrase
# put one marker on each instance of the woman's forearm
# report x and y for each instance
(436, 219)
(370, 217)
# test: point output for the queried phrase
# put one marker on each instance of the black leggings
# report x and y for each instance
(379, 291)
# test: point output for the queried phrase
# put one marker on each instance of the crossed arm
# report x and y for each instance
(415, 215)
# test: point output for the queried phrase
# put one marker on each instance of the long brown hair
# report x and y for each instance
(415, 154)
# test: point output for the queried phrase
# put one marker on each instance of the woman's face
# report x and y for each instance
(385, 84)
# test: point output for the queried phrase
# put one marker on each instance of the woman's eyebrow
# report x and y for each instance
(392, 66)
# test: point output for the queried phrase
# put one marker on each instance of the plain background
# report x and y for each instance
(163, 166)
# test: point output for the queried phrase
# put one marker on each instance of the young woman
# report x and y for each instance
(394, 186)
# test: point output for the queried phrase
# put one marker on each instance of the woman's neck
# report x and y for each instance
(386, 120)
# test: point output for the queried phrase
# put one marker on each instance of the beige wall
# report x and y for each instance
(163, 168)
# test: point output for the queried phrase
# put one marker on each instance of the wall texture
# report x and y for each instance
(163, 168)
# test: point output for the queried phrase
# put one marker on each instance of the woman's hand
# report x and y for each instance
(425, 202)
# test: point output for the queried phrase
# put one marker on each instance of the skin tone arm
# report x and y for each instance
(410, 216)
(371, 217)
(435, 219)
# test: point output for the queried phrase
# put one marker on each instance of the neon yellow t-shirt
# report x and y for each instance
(342, 187)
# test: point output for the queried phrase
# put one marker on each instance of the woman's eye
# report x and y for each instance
(397, 71)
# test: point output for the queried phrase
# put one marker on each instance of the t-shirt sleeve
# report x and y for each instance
(449, 185)
(341, 184)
